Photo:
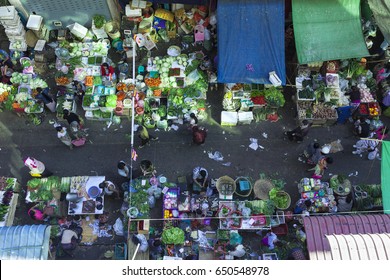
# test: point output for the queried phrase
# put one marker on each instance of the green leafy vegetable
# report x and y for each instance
(173, 236)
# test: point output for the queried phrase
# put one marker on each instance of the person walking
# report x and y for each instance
(193, 120)
(123, 169)
(37, 168)
(63, 135)
(299, 133)
(320, 167)
(145, 136)
(312, 153)
(362, 128)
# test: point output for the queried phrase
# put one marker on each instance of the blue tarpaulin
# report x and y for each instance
(250, 41)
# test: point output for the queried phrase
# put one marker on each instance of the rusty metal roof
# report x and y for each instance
(340, 237)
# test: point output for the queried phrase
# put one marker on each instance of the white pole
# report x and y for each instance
(132, 117)
(136, 251)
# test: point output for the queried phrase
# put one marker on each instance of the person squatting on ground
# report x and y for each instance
(362, 128)
(43, 94)
(69, 240)
(370, 146)
(109, 189)
(63, 135)
(300, 132)
(123, 169)
(141, 240)
(37, 168)
(199, 135)
(200, 177)
(145, 136)
(193, 121)
(75, 124)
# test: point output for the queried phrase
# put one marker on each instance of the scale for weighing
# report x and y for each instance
(128, 43)
(62, 34)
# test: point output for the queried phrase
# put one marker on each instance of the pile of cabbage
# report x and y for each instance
(4, 88)
(17, 45)
(19, 78)
(164, 64)
(88, 49)
(37, 83)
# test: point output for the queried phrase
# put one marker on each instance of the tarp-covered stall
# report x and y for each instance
(24, 242)
(328, 30)
(385, 176)
(381, 11)
(250, 41)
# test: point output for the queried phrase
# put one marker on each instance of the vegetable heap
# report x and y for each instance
(173, 235)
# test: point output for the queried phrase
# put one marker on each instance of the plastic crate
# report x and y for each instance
(120, 251)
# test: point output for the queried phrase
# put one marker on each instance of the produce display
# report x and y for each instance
(19, 78)
(317, 192)
(7, 183)
(42, 189)
(367, 197)
(173, 235)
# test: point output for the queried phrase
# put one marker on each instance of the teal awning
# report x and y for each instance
(385, 176)
(328, 30)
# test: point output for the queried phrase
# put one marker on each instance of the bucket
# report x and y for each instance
(112, 29)
(117, 44)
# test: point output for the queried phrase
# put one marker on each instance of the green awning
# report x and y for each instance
(385, 176)
(381, 11)
(328, 30)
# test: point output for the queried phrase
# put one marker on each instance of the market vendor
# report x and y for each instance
(344, 203)
(108, 71)
(69, 241)
(5, 62)
(41, 215)
(300, 132)
(110, 189)
(44, 96)
(78, 88)
(200, 177)
(236, 251)
(123, 169)
(354, 96)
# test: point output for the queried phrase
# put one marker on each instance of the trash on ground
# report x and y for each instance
(217, 156)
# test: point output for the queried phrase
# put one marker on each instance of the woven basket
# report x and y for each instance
(226, 185)
(261, 188)
(283, 193)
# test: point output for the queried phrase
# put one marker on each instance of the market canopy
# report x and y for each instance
(328, 30)
(250, 41)
(381, 11)
(348, 237)
(385, 176)
(24, 242)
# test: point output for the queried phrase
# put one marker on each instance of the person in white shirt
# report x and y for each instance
(200, 177)
(63, 135)
(123, 169)
(237, 252)
(37, 168)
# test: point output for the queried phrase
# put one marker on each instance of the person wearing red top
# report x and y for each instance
(107, 71)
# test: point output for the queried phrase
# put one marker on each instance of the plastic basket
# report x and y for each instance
(121, 251)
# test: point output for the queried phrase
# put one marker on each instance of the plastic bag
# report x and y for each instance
(372, 154)
(202, 240)
(336, 146)
(235, 238)
(151, 201)
(216, 156)
(192, 77)
(118, 227)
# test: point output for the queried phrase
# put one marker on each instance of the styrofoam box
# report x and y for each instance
(21, 37)
(229, 118)
(245, 117)
(23, 48)
(13, 21)
(17, 30)
(133, 12)
(78, 30)
(7, 12)
(34, 22)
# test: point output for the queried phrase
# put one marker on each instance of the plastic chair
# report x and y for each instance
(199, 33)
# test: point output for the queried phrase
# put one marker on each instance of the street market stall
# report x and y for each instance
(8, 200)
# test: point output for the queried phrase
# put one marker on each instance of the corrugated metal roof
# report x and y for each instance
(24, 242)
(340, 237)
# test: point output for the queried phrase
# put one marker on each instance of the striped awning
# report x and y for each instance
(348, 237)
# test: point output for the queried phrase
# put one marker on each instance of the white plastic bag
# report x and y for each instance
(118, 227)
